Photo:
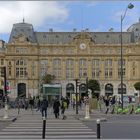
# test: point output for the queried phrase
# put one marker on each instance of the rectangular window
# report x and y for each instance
(69, 68)
(9, 71)
(57, 68)
(123, 68)
(21, 50)
(108, 68)
(82, 68)
(2, 61)
(95, 68)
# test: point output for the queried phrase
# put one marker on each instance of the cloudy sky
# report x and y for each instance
(66, 15)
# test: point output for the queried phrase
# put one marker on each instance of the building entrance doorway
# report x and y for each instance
(21, 90)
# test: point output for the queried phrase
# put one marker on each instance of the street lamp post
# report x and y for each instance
(130, 6)
(87, 86)
(76, 80)
(5, 94)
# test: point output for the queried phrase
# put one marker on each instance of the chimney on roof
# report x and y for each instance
(2, 43)
(23, 20)
(111, 30)
(87, 29)
(74, 29)
(51, 30)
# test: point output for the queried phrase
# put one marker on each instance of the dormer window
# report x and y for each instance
(107, 36)
(22, 30)
(44, 36)
(136, 29)
(56, 36)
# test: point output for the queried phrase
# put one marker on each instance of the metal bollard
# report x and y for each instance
(98, 129)
(44, 128)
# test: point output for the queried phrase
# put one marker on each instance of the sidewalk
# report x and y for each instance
(70, 113)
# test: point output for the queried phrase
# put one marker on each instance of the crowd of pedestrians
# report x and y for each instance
(41, 104)
(110, 102)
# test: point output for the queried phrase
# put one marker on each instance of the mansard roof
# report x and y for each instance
(67, 37)
(26, 31)
(22, 29)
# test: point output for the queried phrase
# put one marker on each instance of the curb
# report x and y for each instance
(92, 119)
(12, 119)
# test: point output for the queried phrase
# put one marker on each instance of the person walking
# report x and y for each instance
(106, 100)
(63, 108)
(56, 106)
(44, 106)
(38, 104)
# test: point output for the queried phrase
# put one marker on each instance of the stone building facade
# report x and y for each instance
(69, 55)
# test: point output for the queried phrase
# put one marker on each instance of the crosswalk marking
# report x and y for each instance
(30, 127)
(47, 137)
(47, 127)
(48, 133)
(48, 130)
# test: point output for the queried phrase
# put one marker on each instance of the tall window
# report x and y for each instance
(134, 69)
(108, 68)
(21, 68)
(43, 67)
(9, 71)
(69, 68)
(2, 61)
(95, 68)
(82, 67)
(21, 50)
(33, 69)
(119, 68)
(57, 68)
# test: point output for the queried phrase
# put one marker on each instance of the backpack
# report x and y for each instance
(64, 104)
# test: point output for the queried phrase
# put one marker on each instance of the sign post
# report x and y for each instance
(5, 94)
(86, 100)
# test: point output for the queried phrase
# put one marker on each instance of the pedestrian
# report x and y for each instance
(106, 100)
(44, 106)
(129, 99)
(113, 101)
(68, 102)
(63, 108)
(38, 104)
(56, 107)
(31, 103)
(73, 103)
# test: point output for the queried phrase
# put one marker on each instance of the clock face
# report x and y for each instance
(82, 46)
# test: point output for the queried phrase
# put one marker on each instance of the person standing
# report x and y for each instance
(56, 106)
(44, 106)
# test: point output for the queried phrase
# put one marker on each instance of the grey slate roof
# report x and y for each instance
(25, 29)
(52, 37)
(135, 29)
(67, 37)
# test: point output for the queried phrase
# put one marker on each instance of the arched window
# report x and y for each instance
(69, 89)
(21, 90)
(124, 89)
(83, 90)
(109, 89)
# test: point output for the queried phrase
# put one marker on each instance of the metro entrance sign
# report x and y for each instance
(8, 88)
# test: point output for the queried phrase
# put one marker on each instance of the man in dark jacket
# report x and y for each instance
(56, 106)
(44, 106)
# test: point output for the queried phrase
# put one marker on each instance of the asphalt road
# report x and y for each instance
(119, 127)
